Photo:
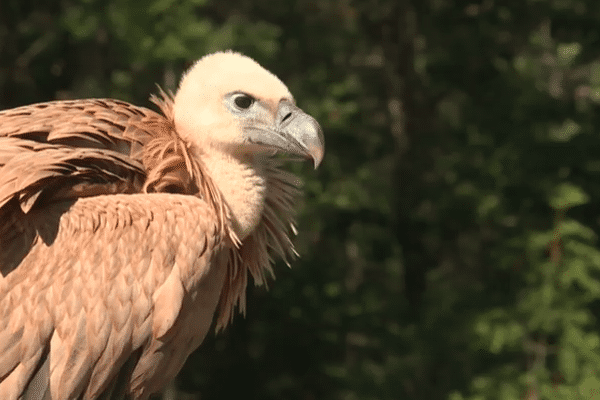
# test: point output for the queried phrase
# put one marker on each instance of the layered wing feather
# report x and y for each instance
(76, 149)
(91, 307)
(91, 279)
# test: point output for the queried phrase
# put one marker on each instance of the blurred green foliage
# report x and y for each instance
(449, 240)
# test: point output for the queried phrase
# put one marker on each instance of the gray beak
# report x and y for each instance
(293, 132)
(302, 132)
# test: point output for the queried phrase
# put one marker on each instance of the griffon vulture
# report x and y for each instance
(123, 231)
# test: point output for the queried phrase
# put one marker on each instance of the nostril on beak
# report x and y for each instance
(287, 116)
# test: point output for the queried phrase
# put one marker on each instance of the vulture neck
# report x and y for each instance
(242, 183)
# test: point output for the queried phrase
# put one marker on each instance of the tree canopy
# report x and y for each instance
(449, 241)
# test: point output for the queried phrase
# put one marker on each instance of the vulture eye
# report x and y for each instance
(243, 101)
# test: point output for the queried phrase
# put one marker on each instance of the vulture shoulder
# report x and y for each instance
(70, 149)
(92, 264)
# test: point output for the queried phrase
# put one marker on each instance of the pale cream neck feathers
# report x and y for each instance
(203, 120)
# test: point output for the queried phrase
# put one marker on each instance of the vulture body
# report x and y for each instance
(123, 231)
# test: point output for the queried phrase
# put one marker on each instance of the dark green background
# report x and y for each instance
(449, 240)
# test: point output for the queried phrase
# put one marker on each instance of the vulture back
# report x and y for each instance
(98, 247)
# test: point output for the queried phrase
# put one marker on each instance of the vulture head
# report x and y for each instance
(236, 114)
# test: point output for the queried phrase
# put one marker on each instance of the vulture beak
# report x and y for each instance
(301, 131)
(294, 132)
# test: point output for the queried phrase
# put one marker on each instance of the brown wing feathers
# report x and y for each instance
(68, 150)
(74, 149)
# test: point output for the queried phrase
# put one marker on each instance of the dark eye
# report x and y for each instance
(243, 101)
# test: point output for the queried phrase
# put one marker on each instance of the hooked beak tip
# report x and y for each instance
(312, 139)
(316, 153)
